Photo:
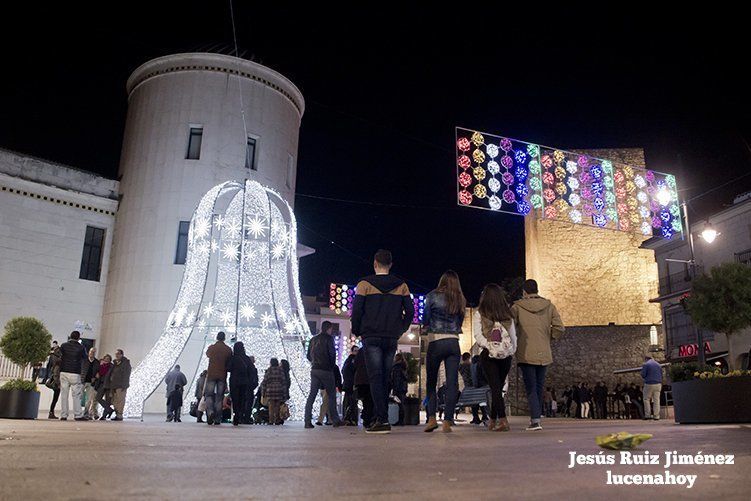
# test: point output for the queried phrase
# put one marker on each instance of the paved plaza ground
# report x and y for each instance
(156, 460)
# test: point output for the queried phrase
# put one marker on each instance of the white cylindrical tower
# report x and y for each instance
(184, 134)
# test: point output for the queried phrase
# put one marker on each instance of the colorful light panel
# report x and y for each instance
(507, 175)
(341, 297)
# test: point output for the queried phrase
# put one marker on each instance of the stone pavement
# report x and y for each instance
(156, 460)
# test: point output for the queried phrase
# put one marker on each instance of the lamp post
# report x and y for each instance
(701, 356)
(709, 234)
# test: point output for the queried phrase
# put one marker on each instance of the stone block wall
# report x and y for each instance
(590, 354)
(594, 276)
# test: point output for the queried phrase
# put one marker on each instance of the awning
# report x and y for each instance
(636, 369)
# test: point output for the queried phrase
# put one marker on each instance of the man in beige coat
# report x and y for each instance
(537, 322)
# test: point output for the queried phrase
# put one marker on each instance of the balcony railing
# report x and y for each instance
(9, 370)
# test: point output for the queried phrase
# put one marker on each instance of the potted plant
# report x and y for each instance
(412, 403)
(26, 342)
(704, 395)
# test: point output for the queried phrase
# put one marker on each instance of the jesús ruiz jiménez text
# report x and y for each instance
(666, 460)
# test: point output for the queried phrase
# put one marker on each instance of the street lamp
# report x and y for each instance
(709, 234)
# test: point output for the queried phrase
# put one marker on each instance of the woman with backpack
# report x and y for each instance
(495, 333)
(443, 318)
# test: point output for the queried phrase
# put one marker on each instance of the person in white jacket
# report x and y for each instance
(494, 331)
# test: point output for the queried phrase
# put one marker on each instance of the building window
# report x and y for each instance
(743, 257)
(91, 259)
(181, 253)
(194, 143)
(250, 154)
(290, 171)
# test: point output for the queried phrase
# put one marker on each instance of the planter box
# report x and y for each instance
(717, 400)
(19, 404)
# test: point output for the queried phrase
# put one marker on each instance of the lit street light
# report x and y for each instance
(709, 234)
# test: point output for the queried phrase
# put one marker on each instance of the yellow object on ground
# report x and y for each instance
(621, 440)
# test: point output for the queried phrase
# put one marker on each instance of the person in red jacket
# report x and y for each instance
(219, 355)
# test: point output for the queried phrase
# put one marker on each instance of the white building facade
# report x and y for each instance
(194, 121)
(56, 228)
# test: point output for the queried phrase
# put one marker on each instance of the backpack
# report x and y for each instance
(499, 342)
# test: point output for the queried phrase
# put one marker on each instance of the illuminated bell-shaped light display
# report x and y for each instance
(240, 277)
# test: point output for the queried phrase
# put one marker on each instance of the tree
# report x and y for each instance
(26, 341)
(721, 302)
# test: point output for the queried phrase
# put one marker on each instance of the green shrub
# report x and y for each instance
(717, 374)
(20, 384)
(684, 371)
(26, 341)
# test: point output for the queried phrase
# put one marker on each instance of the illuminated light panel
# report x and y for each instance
(241, 276)
(517, 177)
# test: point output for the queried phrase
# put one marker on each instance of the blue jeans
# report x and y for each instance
(320, 379)
(214, 394)
(379, 358)
(448, 352)
(534, 383)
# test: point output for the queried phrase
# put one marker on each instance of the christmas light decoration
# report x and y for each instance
(240, 277)
(521, 178)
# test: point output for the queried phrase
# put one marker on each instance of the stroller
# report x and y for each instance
(259, 411)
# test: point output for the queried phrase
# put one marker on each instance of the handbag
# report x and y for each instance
(284, 411)
(202, 404)
(193, 409)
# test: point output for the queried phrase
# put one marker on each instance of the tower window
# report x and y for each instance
(290, 171)
(91, 259)
(194, 143)
(181, 253)
(250, 154)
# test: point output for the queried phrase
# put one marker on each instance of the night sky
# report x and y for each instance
(384, 89)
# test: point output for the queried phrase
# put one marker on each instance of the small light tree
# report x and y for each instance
(721, 302)
(26, 341)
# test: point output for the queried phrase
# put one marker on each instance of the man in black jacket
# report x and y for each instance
(322, 355)
(350, 398)
(73, 354)
(381, 313)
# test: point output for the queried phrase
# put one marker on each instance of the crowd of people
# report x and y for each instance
(375, 374)
(93, 383)
(587, 401)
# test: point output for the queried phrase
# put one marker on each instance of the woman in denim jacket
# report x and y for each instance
(443, 318)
